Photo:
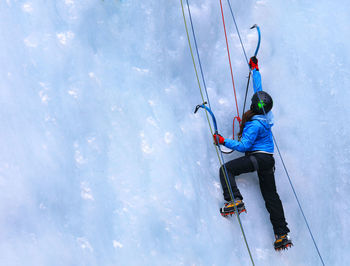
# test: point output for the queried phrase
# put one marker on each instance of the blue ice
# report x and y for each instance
(103, 162)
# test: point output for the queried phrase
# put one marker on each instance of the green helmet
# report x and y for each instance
(261, 101)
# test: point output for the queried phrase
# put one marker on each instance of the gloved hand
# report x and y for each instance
(253, 63)
(221, 139)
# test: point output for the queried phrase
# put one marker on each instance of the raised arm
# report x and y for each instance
(253, 63)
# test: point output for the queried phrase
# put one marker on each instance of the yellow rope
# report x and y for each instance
(211, 131)
(200, 89)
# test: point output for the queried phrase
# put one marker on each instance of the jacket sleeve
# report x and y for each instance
(250, 132)
(257, 81)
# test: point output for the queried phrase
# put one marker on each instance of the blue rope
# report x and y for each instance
(280, 155)
(295, 194)
(199, 60)
(239, 35)
(221, 155)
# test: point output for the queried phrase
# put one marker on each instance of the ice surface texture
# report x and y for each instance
(103, 162)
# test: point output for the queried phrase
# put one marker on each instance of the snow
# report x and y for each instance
(103, 162)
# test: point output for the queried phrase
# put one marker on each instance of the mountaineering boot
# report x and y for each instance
(282, 242)
(229, 207)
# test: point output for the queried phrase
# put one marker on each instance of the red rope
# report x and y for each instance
(233, 126)
(229, 59)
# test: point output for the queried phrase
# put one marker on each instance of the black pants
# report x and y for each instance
(264, 164)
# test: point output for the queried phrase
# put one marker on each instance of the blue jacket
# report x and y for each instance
(257, 135)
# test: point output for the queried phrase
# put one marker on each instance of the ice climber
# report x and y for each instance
(256, 141)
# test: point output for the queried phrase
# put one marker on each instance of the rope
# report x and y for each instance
(295, 194)
(239, 35)
(229, 56)
(246, 92)
(199, 59)
(245, 55)
(233, 126)
(280, 155)
(194, 64)
(199, 85)
(220, 156)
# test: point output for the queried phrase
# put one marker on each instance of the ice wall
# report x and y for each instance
(103, 162)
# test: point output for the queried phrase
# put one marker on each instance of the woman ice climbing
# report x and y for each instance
(255, 139)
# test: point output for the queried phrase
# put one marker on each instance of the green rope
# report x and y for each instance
(200, 87)
(211, 130)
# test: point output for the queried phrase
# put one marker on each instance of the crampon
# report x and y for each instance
(229, 208)
(282, 242)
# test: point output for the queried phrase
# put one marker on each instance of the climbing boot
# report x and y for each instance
(229, 207)
(282, 242)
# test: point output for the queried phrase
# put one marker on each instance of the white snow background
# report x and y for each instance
(103, 162)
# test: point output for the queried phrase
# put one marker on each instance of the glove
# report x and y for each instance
(221, 139)
(253, 63)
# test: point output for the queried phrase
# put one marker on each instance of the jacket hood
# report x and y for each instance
(265, 120)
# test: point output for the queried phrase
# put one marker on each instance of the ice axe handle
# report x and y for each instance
(259, 34)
